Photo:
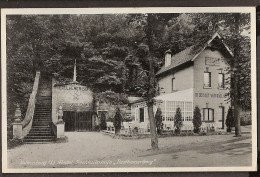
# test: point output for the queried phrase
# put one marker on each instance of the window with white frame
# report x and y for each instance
(208, 114)
(169, 110)
(207, 79)
(221, 80)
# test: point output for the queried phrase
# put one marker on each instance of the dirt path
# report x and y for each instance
(92, 149)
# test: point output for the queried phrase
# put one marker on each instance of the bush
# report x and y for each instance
(117, 121)
(196, 119)
(97, 128)
(230, 121)
(103, 124)
(158, 121)
(245, 119)
(178, 121)
(11, 143)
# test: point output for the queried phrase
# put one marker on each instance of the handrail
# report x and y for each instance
(31, 104)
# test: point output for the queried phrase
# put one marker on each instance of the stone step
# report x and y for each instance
(41, 120)
(42, 106)
(46, 142)
(41, 133)
(42, 113)
(42, 110)
(41, 128)
(39, 125)
(42, 116)
(39, 140)
(39, 137)
(44, 125)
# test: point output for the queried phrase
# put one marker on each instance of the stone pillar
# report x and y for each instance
(17, 124)
(60, 124)
(60, 129)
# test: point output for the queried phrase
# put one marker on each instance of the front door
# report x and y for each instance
(83, 121)
(141, 114)
(222, 114)
(69, 118)
(77, 121)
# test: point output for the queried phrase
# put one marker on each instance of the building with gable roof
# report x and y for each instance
(196, 76)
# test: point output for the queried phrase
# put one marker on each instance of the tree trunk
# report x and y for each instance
(117, 131)
(151, 83)
(154, 139)
(150, 104)
(236, 55)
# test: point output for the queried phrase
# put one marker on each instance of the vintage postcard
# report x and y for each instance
(128, 89)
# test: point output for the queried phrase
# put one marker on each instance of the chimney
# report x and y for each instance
(168, 58)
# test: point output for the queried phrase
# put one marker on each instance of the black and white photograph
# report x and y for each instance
(128, 89)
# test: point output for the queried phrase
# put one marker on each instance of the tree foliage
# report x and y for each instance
(158, 121)
(117, 121)
(196, 119)
(230, 120)
(103, 124)
(178, 121)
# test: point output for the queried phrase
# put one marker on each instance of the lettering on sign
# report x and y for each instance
(212, 61)
(66, 87)
(211, 95)
(76, 106)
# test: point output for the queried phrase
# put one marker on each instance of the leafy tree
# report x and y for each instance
(178, 121)
(117, 121)
(196, 119)
(230, 120)
(112, 97)
(103, 124)
(158, 121)
(147, 52)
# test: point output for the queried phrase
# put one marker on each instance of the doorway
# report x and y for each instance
(141, 114)
(77, 121)
(222, 114)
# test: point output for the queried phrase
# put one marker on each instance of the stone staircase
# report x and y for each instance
(41, 131)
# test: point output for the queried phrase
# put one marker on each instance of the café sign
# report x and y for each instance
(211, 95)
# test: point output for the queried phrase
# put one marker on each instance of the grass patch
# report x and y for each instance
(64, 139)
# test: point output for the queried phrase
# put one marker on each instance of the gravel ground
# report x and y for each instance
(95, 149)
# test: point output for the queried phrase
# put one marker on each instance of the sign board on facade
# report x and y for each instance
(212, 61)
(211, 95)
